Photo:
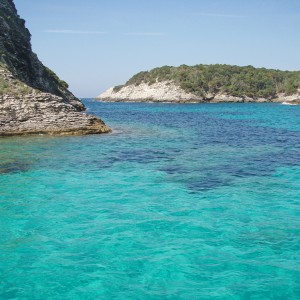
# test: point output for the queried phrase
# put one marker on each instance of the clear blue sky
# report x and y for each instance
(96, 44)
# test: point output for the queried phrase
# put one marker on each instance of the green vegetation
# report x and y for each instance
(233, 80)
(61, 83)
(3, 86)
(15, 89)
(12, 86)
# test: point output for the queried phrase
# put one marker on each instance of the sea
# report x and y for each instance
(180, 201)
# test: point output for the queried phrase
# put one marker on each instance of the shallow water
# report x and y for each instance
(181, 201)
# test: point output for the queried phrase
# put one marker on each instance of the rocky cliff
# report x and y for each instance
(32, 98)
(167, 91)
(208, 83)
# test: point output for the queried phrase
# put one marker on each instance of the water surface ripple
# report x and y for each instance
(179, 202)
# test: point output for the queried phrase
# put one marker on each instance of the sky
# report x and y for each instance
(97, 44)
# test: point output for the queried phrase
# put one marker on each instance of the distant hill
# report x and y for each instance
(214, 83)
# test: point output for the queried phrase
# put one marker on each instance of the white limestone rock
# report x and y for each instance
(165, 91)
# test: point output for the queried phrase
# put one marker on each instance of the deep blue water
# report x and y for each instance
(195, 201)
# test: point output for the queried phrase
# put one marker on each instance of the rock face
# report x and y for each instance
(292, 100)
(167, 91)
(32, 98)
(158, 92)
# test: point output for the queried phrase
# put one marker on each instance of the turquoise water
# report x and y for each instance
(180, 202)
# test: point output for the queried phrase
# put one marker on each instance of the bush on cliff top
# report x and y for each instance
(233, 80)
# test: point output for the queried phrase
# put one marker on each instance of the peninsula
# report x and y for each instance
(33, 100)
(210, 84)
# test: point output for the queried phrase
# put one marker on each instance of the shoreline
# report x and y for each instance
(165, 92)
(190, 101)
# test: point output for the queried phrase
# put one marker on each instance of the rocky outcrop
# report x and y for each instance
(17, 55)
(158, 92)
(167, 91)
(24, 110)
(33, 99)
(291, 100)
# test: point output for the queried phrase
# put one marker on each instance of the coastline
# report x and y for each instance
(33, 99)
(168, 92)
